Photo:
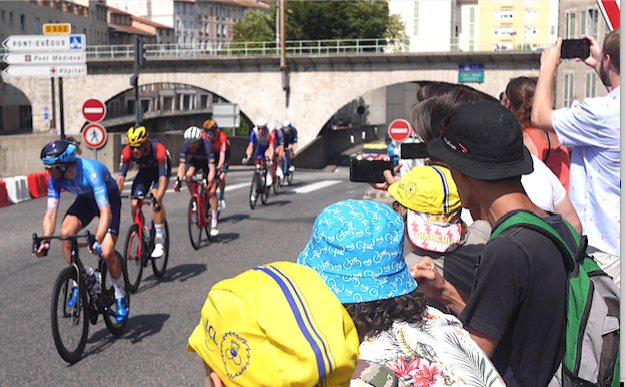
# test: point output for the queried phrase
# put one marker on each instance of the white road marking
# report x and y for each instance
(314, 186)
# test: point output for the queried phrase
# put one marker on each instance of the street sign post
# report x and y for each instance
(399, 130)
(94, 110)
(95, 137)
(611, 11)
(49, 70)
(45, 43)
(46, 58)
(226, 115)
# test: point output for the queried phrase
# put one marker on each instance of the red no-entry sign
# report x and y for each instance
(399, 130)
(94, 110)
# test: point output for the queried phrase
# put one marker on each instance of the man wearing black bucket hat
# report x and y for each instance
(516, 309)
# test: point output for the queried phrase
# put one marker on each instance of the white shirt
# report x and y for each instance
(593, 129)
(542, 186)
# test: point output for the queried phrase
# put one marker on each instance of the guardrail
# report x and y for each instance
(293, 47)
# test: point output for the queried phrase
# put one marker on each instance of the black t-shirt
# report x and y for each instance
(519, 299)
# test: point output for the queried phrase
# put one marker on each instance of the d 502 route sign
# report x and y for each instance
(399, 130)
(53, 29)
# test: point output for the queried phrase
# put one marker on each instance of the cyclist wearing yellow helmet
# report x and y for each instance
(221, 147)
(153, 160)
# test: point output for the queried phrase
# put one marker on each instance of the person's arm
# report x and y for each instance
(49, 224)
(541, 113)
(436, 287)
(249, 150)
(103, 224)
(566, 209)
(487, 343)
(162, 158)
(595, 54)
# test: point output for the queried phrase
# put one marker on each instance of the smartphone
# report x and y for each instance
(414, 150)
(575, 48)
(369, 171)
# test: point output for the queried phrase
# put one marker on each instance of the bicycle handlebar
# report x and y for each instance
(91, 238)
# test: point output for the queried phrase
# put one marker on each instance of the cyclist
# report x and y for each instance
(265, 148)
(221, 146)
(197, 154)
(279, 149)
(96, 195)
(290, 139)
(155, 167)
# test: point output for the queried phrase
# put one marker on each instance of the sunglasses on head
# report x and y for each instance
(447, 137)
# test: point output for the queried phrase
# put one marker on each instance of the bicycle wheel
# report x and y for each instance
(159, 264)
(290, 177)
(108, 298)
(275, 184)
(263, 190)
(193, 221)
(132, 256)
(70, 325)
(209, 216)
(255, 179)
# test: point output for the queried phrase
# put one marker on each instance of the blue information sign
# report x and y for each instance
(471, 67)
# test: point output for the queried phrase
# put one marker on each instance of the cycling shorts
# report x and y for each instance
(147, 177)
(85, 209)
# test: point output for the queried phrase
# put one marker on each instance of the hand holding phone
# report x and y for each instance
(575, 48)
(369, 171)
(414, 150)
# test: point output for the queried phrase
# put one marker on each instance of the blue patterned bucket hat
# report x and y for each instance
(357, 248)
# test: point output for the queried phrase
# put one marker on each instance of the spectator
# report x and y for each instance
(357, 246)
(515, 311)
(546, 146)
(75, 142)
(276, 325)
(502, 99)
(593, 130)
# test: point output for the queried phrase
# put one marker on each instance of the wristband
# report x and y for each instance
(97, 248)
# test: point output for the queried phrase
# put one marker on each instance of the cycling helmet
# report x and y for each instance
(58, 152)
(261, 122)
(136, 136)
(193, 134)
(210, 125)
(286, 124)
(271, 126)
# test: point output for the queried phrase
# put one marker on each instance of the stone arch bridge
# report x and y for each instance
(319, 84)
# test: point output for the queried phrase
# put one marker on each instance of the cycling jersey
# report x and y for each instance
(220, 142)
(92, 179)
(199, 160)
(290, 138)
(264, 141)
(279, 139)
(157, 158)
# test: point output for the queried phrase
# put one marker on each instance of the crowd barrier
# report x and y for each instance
(17, 189)
(37, 185)
(4, 198)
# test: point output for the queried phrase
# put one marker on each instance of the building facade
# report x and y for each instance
(426, 32)
(123, 26)
(575, 80)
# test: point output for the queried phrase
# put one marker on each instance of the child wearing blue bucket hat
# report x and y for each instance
(357, 248)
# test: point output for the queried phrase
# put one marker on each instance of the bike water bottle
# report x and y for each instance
(97, 286)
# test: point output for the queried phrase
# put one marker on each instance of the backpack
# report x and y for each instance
(592, 335)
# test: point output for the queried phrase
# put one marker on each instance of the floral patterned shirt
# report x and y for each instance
(436, 351)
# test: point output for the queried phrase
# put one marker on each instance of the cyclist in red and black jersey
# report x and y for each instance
(155, 167)
(221, 147)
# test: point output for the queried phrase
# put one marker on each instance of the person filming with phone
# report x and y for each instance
(593, 130)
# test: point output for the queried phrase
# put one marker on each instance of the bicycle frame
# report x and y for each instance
(139, 219)
(199, 186)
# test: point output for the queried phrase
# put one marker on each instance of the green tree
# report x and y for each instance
(319, 20)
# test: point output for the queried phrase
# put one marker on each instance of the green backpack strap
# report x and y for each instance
(525, 219)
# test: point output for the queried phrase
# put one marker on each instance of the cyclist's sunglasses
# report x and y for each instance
(447, 137)
(136, 146)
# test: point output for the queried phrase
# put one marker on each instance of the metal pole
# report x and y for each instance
(95, 154)
(54, 108)
(137, 112)
(278, 26)
(283, 58)
(61, 108)
(234, 118)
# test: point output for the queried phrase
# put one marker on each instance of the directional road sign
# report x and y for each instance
(399, 130)
(63, 28)
(46, 58)
(94, 110)
(94, 136)
(45, 43)
(46, 71)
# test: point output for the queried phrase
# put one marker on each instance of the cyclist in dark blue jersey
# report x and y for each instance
(96, 195)
(290, 142)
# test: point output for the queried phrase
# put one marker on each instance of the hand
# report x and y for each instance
(389, 177)
(595, 54)
(96, 249)
(428, 278)
(156, 207)
(245, 160)
(42, 251)
(551, 56)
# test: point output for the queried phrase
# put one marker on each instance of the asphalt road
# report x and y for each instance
(163, 312)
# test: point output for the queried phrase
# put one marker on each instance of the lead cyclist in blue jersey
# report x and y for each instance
(96, 195)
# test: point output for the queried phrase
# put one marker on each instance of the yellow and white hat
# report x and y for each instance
(434, 216)
(276, 325)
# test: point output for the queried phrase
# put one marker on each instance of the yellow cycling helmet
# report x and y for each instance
(210, 124)
(137, 135)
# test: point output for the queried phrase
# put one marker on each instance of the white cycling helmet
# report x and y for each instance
(193, 134)
(261, 122)
(271, 126)
(286, 123)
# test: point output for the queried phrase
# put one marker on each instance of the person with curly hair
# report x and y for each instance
(357, 248)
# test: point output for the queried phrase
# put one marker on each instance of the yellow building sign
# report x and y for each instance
(50, 29)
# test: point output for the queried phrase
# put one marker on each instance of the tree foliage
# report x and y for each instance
(319, 20)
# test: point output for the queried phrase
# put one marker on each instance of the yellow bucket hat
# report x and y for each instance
(276, 325)
(428, 189)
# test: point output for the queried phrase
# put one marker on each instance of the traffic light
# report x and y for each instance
(140, 51)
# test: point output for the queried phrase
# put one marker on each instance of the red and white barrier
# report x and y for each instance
(37, 185)
(4, 198)
(17, 189)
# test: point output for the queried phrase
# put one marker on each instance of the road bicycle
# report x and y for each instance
(199, 212)
(70, 325)
(258, 182)
(288, 174)
(139, 244)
